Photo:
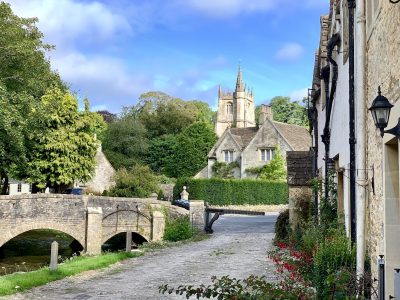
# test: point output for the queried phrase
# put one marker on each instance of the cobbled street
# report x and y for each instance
(237, 248)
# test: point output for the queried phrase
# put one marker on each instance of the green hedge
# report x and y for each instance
(233, 191)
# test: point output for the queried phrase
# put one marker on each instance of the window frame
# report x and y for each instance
(266, 154)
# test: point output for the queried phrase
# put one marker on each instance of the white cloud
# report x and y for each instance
(66, 22)
(290, 52)
(298, 95)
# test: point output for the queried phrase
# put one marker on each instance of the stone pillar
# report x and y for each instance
(197, 213)
(94, 230)
(128, 241)
(184, 194)
(158, 226)
(54, 256)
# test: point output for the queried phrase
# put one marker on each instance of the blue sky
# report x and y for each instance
(113, 50)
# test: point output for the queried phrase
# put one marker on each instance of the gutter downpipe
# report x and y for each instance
(352, 137)
(326, 136)
(361, 194)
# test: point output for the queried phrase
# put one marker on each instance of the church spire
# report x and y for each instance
(239, 83)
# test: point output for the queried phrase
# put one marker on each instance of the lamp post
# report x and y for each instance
(380, 110)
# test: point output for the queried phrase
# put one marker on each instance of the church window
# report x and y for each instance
(229, 108)
(228, 155)
(266, 154)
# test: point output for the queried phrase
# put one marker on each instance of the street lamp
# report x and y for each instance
(380, 110)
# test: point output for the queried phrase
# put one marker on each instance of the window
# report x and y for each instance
(229, 108)
(228, 155)
(30, 188)
(19, 188)
(266, 154)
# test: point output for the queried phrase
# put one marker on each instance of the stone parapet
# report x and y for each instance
(197, 213)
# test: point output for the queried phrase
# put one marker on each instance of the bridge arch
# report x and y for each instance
(111, 235)
(21, 228)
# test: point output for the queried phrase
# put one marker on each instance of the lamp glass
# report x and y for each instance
(381, 116)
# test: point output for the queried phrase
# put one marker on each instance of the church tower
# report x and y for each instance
(235, 109)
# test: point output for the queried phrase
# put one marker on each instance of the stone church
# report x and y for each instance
(244, 141)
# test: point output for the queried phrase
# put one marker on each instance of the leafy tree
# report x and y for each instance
(289, 112)
(125, 141)
(192, 147)
(163, 114)
(137, 181)
(160, 154)
(108, 117)
(64, 144)
(14, 125)
(23, 64)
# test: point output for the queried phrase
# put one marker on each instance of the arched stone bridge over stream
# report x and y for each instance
(91, 220)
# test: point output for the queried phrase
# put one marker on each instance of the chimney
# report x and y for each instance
(265, 113)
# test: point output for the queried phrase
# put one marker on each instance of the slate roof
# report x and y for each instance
(243, 136)
(297, 136)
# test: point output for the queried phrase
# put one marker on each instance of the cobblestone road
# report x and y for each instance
(237, 248)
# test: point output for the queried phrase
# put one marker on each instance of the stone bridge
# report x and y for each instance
(90, 220)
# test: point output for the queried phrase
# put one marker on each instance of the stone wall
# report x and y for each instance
(383, 59)
(300, 172)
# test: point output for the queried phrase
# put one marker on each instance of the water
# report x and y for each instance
(31, 250)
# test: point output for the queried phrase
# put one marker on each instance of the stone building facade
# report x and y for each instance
(235, 109)
(252, 147)
(377, 38)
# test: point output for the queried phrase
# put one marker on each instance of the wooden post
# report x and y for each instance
(54, 256)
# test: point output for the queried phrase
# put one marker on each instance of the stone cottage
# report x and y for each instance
(245, 143)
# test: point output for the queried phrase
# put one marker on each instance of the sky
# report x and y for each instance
(111, 51)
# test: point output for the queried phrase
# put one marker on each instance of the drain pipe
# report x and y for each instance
(361, 194)
(352, 136)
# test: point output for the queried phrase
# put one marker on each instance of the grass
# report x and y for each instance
(17, 282)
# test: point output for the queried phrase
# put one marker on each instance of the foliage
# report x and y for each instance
(160, 154)
(282, 225)
(64, 143)
(163, 114)
(232, 191)
(192, 147)
(224, 170)
(137, 181)
(287, 111)
(177, 229)
(108, 117)
(125, 141)
(250, 288)
(14, 126)
(333, 255)
(23, 64)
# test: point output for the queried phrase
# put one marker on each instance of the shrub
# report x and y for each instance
(177, 229)
(282, 225)
(233, 192)
(138, 181)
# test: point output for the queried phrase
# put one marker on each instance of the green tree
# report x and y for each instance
(23, 63)
(64, 144)
(14, 126)
(163, 114)
(160, 154)
(192, 147)
(287, 111)
(125, 142)
(204, 112)
(137, 181)
(276, 169)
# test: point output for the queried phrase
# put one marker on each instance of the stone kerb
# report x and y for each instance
(197, 213)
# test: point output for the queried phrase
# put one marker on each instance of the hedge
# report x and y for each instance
(233, 191)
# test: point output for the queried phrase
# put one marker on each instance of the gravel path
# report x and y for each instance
(237, 248)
